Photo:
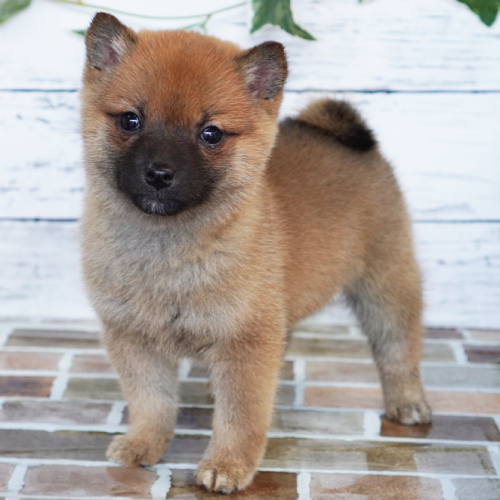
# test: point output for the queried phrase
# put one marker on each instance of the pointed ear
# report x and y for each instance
(107, 41)
(264, 69)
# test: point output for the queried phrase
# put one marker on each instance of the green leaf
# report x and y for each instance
(10, 7)
(487, 10)
(79, 32)
(279, 13)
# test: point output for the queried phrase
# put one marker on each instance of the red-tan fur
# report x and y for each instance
(224, 281)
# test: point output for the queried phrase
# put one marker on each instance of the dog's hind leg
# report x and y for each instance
(387, 301)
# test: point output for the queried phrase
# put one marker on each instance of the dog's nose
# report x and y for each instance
(159, 176)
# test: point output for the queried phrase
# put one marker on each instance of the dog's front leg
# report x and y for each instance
(149, 380)
(244, 381)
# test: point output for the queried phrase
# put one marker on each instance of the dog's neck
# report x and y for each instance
(218, 218)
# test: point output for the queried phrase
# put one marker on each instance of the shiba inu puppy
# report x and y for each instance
(209, 230)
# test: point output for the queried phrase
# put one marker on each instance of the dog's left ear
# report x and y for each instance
(264, 69)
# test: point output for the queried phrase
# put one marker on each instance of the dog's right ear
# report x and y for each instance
(107, 41)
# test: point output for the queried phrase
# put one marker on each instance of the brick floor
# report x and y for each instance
(5, 473)
(266, 486)
(77, 481)
(343, 486)
(61, 404)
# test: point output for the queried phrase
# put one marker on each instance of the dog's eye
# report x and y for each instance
(211, 135)
(130, 122)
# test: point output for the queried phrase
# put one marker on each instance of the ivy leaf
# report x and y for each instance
(10, 7)
(487, 10)
(279, 13)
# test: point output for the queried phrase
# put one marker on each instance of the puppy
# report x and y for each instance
(209, 231)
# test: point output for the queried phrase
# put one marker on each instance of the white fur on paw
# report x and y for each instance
(410, 413)
(222, 478)
(133, 451)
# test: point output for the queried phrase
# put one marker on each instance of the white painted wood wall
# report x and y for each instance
(425, 73)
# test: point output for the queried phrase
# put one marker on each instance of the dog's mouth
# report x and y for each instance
(154, 205)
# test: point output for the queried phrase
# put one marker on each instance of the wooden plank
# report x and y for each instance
(41, 167)
(384, 44)
(40, 272)
(461, 271)
(40, 275)
(444, 149)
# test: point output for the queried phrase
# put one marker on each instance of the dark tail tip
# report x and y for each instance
(340, 120)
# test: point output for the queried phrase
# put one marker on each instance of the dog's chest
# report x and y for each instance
(159, 288)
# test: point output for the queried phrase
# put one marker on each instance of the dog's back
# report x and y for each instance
(339, 201)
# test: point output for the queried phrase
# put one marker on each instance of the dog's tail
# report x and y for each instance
(341, 121)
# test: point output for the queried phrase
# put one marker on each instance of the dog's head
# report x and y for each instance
(172, 119)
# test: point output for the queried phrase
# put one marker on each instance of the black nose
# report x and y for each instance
(159, 176)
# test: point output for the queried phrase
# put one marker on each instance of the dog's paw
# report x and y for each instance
(410, 413)
(223, 477)
(132, 451)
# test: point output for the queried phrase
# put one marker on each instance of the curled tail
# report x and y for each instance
(339, 120)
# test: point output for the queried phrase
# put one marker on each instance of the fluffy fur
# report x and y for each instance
(270, 224)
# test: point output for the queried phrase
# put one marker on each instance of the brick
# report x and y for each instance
(187, 418)
(443, 333)
(342, 372)
(286, 395)
(95, 388)
(25, 386)
(483, 489)
(91, 363)
(61, 444)
(186, 449)
(400, 457)
(328, 347)
(265, 486)
(446, 427)
(199, 370)
(371, 399)
(54, 338)
(483, 354)
(343, 486)
(287, 371)
(485, 335)
(55, 412)
(194, 418)
(5, 473)
(29, 360)
(343, 397)
(357, 349)
(74, 481)
(461, 376)
(317, 422)
(194, 392)
(464, 402)
(437, 352)
(87, 445)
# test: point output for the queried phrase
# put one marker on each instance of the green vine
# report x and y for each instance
(276, 12)
(487, 10)
(145, 16)
(201, 24)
